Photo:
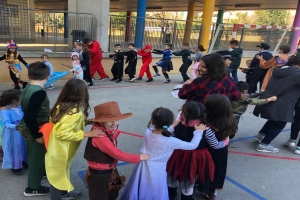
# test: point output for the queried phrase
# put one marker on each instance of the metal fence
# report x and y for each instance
(249, 37)
(157, 32)
(36, 29)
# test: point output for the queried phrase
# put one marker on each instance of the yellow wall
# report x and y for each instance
(107, 63)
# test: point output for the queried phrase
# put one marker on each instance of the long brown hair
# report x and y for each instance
(73, 95)
(219, 115)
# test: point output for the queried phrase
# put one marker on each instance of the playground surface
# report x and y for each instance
(250, 174)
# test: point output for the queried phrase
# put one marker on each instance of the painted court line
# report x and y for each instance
(245, 188)
(264, 156)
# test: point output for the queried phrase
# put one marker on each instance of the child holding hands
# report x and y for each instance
(102, 154)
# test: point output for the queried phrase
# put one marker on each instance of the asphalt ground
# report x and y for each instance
(250, 174)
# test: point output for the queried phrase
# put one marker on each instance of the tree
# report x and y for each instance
(272, 17)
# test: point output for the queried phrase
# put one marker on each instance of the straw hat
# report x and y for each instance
(109, 111)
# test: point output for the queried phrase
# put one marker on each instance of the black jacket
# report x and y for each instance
(285, 84)
(118, 57)
(255, 62)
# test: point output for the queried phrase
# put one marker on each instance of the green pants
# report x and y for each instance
(36, 164)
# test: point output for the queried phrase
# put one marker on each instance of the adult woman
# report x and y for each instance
(285, 84)
(213, 80)
(279, 60)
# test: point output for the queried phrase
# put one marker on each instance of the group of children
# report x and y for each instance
(165, 63)
(199, 139)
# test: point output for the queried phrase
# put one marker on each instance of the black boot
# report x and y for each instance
(24, 85)
(17, 87)
(183, 197)
(172, 193)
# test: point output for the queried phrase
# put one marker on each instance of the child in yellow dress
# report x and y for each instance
(68, 116)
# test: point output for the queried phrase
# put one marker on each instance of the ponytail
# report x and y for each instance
(165, 132)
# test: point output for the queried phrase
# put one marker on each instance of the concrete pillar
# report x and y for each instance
(296, 33)
(100, 10)
(128, 26)
(189, 22)
(208, 10)
(219, 21)
(140, 23)
(31, 19)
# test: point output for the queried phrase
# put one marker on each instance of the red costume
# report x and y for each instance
(146, 59)
(96, 58)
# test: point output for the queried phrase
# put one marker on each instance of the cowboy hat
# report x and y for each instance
(109, 111)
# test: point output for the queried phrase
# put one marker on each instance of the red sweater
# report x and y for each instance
(95, 50)
(106, 146)
(146, 56)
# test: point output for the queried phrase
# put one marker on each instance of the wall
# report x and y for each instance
(107, 63)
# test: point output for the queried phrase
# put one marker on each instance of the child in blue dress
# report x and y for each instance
(14, 146)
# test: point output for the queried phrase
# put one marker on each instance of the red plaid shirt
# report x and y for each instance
(201, 88)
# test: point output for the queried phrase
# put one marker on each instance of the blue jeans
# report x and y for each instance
(233, 73)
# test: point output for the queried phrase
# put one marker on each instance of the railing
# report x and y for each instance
(36, 29)
(157, 32)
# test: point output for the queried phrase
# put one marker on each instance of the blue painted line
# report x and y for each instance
(251, 137)
(245, 188)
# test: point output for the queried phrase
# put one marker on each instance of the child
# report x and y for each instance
(84, 57)
(240, 107)
(158, 143)
(45, 59)
(35, 105)
(248, 71)
(117, 68)
(146, 59)
(78, 72)
(132, 61)
(219, 115)
(186, 62)
(102, 154)
(165, 63)
(14, 145)
(199, 53)
(68, 116)
(186, 166)
(13, 59)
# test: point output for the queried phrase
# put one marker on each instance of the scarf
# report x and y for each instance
(111, 134)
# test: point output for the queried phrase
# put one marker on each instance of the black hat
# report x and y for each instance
(225, 54)
(264, 46)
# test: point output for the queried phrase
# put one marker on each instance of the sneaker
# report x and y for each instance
(93, 79)
(132, 80)
(290, 143)
(103, 79)
(50, 87)
(154, 75)
(119, 81)
(266, 148)
(259, 137)
(91, 85)
(167, 81)
(113, 79)
(43, 190)
(139, 78)
(297, 150)
(17, 171)
(17, 87)
(149, 80)
(75, 194)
